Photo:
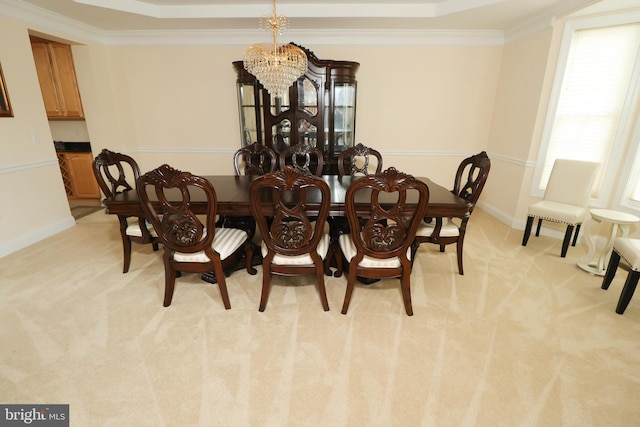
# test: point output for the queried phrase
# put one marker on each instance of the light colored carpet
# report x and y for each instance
(525, 338)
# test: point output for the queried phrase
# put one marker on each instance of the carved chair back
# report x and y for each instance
(471, 176)
(302, 156)
(111, 170)
(177, 226)
(357, 161)
(386, 232)
(279, 204)
(255, 159)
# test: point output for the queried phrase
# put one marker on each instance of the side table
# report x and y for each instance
(596, 260)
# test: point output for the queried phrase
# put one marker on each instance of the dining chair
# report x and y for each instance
(111, 170)
(255, 159)
(303, 156)
(381, 248)
(628, 249)
(189, 244)
(565, 199)
(292, 242)
(358, 160)
(471, 176)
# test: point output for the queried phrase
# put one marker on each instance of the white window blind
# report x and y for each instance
(593, 100)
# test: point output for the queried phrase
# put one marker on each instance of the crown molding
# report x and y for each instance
(46, 21)
(311, 37)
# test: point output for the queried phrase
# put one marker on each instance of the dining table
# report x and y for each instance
(233, 200)
(232, 194)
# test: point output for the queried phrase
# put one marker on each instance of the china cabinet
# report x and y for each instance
(57, 77)
(319, 109)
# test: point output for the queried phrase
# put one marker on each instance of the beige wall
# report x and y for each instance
(424, 107)
(34, 203)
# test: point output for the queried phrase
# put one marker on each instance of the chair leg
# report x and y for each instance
(266, 282)
(328, 258)
(351, 282)
(566, 241)
(538, 227)
(627, 291)
(126, 246)
(405, 284)
(575, 235)
(527, 231)
(321, 288)
(169, 278)
(222, 284)
(459, 244)
(248, 253)
(338, 258)
(611, 270)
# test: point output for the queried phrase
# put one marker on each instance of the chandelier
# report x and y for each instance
(276, 67)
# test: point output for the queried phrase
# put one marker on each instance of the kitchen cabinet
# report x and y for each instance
(57, 77)
(77, 175)
(319, 109)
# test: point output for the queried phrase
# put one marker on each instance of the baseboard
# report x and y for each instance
(35, 236)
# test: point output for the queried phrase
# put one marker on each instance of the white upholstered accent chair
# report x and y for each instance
(565, 199)
(190, 245)
(292, 243)
(629, 249)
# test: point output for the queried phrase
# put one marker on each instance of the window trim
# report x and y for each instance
(619, 147)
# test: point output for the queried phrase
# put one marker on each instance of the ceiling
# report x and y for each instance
(135, 15)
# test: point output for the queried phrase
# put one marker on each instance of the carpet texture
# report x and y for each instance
(524, 338)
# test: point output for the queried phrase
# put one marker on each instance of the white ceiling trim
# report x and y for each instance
(58, 25)
(307, 10)
(311, 37)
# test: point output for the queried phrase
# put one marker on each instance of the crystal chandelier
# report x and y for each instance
(276, 67)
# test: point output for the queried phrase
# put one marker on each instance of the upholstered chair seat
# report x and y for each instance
(134, 230)
(349, 251)
(226, 242)
(449, 229)
(278, 259)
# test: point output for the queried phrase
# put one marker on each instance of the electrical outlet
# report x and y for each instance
(35, 137)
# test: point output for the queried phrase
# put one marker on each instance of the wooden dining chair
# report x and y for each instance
(114, 173)
(358, 160)
(292, 243)
(255, 159)
(469, 181)
(302, 156)
(189, 244)
(381, 248)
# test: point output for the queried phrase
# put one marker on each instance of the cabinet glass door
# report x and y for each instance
(344, 116)
(251, 126)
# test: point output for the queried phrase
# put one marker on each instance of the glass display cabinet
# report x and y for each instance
(319, 109)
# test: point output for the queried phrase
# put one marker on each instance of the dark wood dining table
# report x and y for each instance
(233, 199)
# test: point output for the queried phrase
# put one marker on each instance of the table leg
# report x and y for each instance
(586, 262)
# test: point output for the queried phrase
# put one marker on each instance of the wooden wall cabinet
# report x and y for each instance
(78, 177)
(319, 109)
(57, 77)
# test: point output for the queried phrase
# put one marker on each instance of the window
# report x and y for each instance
(594, 108)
